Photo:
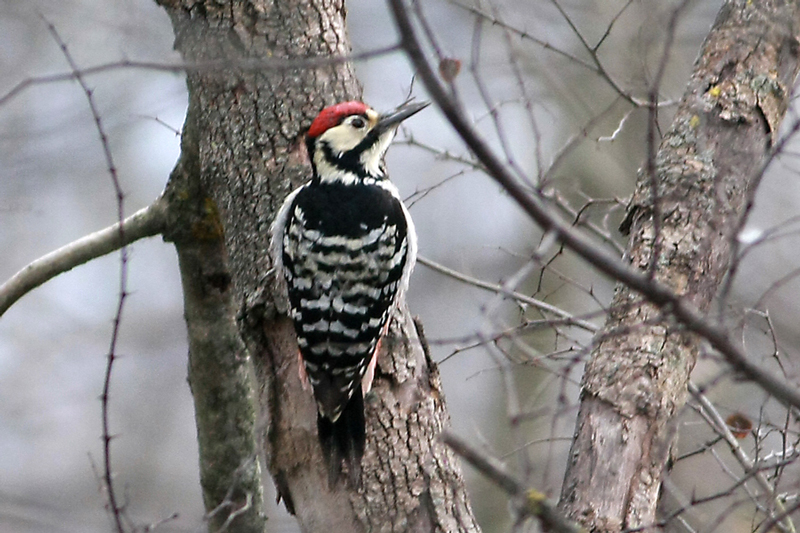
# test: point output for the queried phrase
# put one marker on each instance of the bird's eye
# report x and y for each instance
(358, 123)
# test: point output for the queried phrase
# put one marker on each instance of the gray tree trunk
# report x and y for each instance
(706, 171)
(242, 153)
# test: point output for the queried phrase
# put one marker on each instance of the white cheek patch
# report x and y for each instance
(371, 159)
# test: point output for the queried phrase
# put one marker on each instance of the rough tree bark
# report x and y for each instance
(706, 171)
(242, 153)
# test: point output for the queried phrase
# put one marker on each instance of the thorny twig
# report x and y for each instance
(115, 508)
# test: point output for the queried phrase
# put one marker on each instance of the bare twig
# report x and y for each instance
(592, 51)
(522, 88)
(735, 242)
(578, 218)
(749, 466)
(228, 502)
(155, 525)
(272, 64)
(513, 407)
(529, 502)
(786, 513)
(522, 298)
(522, 34)
(491, 107)
(146, 222)
(610, 26)
(116, 509)
(616, 132)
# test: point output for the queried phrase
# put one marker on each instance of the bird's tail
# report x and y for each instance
(343, 440)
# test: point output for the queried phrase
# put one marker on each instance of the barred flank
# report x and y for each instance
(344, 252)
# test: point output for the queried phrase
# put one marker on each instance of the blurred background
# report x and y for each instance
(528, 99)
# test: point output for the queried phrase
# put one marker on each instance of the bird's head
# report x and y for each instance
(347, 141)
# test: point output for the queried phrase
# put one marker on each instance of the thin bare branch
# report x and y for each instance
(749, 466)
(592, 51)
(736, 257)
(522, 298)
(522, 34)
(272, 64)
(786, 513)
(115, 508)
(146, 222)
(528, 502)
(610, 26)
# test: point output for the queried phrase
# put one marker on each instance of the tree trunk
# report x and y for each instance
(706, 171)
(243, 152)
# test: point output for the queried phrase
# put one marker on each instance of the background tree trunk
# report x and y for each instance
(706, 172)
(243, 140)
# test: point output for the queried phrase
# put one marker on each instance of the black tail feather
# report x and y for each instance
(343, 441)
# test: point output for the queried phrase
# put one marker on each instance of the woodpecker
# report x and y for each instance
(345, 245)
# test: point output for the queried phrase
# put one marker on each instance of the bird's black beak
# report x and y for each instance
(392, 118)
